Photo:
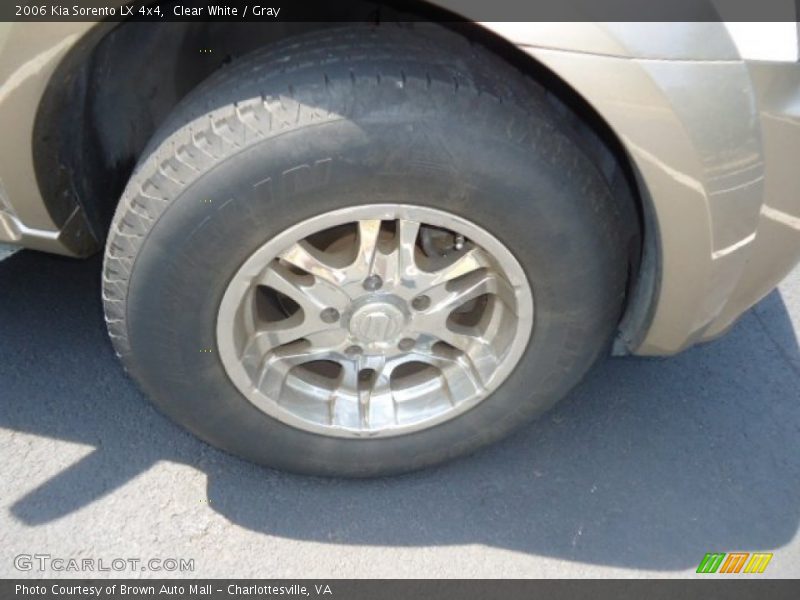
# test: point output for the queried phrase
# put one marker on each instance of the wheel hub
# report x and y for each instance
(377, 321)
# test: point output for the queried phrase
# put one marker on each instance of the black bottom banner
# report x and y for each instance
(389, 589)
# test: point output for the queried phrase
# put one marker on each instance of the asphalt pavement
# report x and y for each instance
(648, 465)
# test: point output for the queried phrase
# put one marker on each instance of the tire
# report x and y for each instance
(344, 118)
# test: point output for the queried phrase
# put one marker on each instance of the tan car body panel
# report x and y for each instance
(29, 54)
(714, 140)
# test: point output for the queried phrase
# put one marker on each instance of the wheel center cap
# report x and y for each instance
(377, 322)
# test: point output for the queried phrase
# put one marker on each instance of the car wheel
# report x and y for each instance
(361, 252)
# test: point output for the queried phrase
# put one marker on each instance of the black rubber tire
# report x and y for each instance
(338, 118)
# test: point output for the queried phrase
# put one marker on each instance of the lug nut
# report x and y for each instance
(372, 283)
(421, 302)
(406, 344)
(329, 315)
(353, 351)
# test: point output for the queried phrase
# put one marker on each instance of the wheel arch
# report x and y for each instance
(99, 80)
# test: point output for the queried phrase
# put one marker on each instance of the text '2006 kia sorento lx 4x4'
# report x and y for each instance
(360, 249)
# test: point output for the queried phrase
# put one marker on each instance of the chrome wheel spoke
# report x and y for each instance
(368, 232)
(294, 330)
(448, 296)
(398, 266)
(303, 256)
(407, 232)
(278, 363)
(458, 372)
(478, 351)
(375, 399)
(471, 260)
(313, 296)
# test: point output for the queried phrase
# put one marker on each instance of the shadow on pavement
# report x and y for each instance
(648, 464)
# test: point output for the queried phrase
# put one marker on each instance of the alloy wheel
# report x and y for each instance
(374, 320)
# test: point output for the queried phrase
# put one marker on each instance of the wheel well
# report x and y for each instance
(119, 84)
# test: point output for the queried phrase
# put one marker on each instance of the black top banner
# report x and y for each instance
(403, 10)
